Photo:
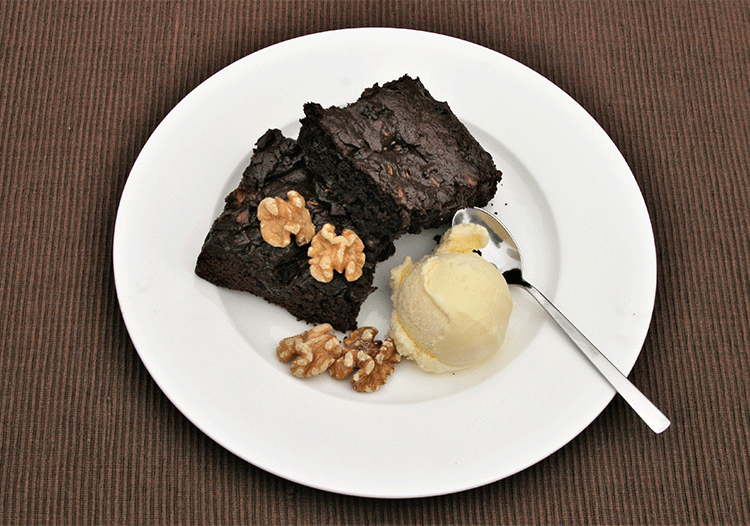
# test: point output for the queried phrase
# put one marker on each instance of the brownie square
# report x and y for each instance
(396, 160)
(234, 254)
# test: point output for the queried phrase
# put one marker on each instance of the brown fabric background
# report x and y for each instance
(86, 437)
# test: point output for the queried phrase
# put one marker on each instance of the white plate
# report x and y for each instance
(567, 195)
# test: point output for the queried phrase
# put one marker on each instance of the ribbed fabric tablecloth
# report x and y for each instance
(86, 436)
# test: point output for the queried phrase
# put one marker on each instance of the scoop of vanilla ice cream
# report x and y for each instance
(452, 308)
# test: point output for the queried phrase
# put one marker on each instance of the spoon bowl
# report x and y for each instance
(502, 251)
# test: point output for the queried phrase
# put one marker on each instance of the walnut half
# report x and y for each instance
(362, 339)
(373, 359)
(329, 252)
(374, 370)
(313, 351)
(279, 219)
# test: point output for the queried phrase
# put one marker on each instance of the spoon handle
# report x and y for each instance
(650, 414)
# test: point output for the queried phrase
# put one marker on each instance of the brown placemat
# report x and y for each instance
(86, 435)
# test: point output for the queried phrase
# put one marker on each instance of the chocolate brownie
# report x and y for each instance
(234, 254)
(396, 160)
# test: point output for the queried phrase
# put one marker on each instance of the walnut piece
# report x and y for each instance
(313, 351)
(329, 252)
(279, 219)
(361, 339)
(344, 364)
(374, 370)
(373, 359)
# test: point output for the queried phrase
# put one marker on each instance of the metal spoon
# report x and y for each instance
(502, 252)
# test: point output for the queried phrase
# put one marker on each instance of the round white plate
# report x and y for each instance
(567, 195)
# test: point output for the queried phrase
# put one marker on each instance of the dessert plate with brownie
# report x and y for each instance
(265, 227)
